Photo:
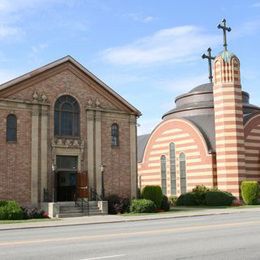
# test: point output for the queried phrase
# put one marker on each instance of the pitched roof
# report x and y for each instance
(58, 62)
(141, 144)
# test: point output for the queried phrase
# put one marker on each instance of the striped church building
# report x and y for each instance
(211, 137)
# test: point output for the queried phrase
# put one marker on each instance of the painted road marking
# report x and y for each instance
(125, 234)
(103, 257)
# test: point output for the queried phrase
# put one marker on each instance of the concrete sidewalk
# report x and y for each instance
(87, 220)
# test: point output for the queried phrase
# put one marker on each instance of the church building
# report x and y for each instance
(210, 138)
(65, 134)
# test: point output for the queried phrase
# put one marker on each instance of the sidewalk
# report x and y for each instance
(119, 218)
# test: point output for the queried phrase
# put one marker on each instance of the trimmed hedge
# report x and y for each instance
(153, 193)
(142, 206)
(10, 210)
(250, 192)
(187, 199)
(218, 198)
(202, 195)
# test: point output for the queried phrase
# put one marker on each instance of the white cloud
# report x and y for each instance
(138, 17)
(175, 44)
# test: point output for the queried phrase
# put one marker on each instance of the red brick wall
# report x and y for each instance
(62, 80)
(117, 173)
(15, 158)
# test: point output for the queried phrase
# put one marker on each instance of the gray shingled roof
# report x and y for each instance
(141, 144)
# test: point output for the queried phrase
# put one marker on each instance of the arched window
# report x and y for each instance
(163, 174)
(182, 162)
(173, 169)
(115, 134)
(66, 117)
(11, 128)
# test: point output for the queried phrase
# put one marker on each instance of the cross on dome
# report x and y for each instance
(209, 58)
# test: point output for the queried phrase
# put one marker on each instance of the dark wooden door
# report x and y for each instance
(82, 184)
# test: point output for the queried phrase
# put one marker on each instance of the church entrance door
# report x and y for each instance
(66, 178)
(82, 185)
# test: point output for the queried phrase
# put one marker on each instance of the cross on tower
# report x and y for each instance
(223, 26)
(209, 57)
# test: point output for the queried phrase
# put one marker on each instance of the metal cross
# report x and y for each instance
(223, 26)
(209, 57)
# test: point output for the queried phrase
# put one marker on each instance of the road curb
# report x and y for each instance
(121, 220)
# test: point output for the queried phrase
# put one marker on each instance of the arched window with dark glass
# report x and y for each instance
(182, 162)
(173, 168)
(163, 174)
(66, 117)
(115, 134)
(11, 128)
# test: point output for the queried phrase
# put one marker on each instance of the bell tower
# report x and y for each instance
(229, 128)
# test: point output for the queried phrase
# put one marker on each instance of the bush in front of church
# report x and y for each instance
(187, 199)
(142, 206)
(10, 210)
(201, 195)
(153, 193)
(165, 204)
(250, 192)
(219, 198)
(117, 205)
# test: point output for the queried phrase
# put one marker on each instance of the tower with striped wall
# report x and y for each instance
(229, 129)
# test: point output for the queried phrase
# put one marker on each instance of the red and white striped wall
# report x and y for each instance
(188, 139)
(229, 128)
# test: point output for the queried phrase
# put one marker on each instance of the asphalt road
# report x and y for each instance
(231, 236)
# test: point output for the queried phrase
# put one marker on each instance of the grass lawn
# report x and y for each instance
(27, 220)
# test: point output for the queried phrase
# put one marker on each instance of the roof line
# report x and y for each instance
(78, 65)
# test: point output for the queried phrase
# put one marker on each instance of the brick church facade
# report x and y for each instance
(210, 138)
(58, 122)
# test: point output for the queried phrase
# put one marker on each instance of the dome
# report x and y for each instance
(208, 87)
(199, 101)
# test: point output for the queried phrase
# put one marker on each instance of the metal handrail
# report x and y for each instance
(95, 195)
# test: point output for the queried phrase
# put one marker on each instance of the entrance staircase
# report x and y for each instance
(78, 209)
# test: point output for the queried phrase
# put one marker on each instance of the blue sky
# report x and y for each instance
(149, 51)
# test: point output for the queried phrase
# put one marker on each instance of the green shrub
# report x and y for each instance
(200, 194)
(172, 200)
(153, 193)
(10, 210)
(250, 192)
(142, 206)
(218, 198)
(187, 199)
(165, 204)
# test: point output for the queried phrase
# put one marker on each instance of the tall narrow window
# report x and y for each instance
(173, 169)
(66, 117)
(115, 135)
(163, 174)
(182, 162)
(11, 128)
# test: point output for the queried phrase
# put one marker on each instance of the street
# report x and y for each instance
(229, 236)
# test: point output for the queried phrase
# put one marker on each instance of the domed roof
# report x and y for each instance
(207, 87)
